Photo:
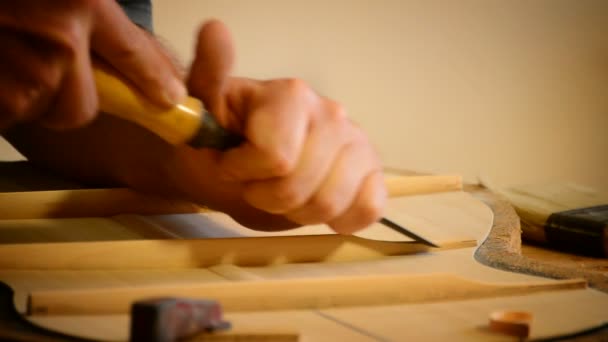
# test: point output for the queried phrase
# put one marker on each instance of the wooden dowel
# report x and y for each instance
(291, 294)
(116, 201)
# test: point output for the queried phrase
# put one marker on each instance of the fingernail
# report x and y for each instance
(175, 92)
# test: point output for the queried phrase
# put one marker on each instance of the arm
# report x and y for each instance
(303, 161)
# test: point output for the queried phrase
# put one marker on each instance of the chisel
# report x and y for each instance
(186, 123)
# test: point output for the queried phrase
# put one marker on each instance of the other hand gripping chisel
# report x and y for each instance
(185, 123)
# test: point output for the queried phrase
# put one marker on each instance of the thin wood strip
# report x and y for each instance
(292, 294)
(86, 203)
(172, 254)
(144, 227)
(116, 201)
(233, 272)
(418, 185)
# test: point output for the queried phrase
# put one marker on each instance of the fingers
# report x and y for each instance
(366, 208)
(341, 184)
(273, 116)
(48, 62)
(31, 70)
(283, 194)
(25, 79)
(63, 89)
(302, 158)
(275, 129)
(317, 167)
(76, 101)
(212, 66)
(136, 55)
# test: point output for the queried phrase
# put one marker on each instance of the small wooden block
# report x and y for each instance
(513, 323)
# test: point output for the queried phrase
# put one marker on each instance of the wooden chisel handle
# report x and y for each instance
(187, 122)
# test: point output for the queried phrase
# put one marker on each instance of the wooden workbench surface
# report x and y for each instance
(571, 308)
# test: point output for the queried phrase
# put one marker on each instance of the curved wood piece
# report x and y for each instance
(502, 249)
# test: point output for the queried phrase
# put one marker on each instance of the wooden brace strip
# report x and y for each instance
(116, 201)
(291, 294)
(179, 254)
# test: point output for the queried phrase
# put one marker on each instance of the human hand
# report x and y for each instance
(302, 159)
(45, 67)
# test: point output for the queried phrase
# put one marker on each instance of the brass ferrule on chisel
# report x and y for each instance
(185, 123)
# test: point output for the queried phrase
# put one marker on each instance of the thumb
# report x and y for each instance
(211, 67)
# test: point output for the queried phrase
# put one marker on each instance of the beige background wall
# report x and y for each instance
(513, 91)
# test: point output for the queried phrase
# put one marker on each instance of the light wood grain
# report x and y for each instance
(556, 313)
(86, 203)
(455, 261)
(115, 201)
(153, 254)
(311, 326)
(536, 202)
(460, 319)
(232, 272)
(418, 185)
(292, 294)
(441, 217)
(451, 219)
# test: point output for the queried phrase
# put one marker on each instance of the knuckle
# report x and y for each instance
(369, 212)
(72, 34)
(288, 196)
(21, 104)
(88, 7)
(45, 84)
(69, 117)
(336, 112)
(48, 80)
(280, 164)
(127, 52)
(359, 138)
(92, 4)
(325, 208)
(296, 86)
(132, 53)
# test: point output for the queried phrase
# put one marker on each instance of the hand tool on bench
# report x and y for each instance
(187, 122)
(169, 319)
(173, 319)
(567, 217)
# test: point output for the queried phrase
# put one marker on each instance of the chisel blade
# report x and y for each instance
(399, 229)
